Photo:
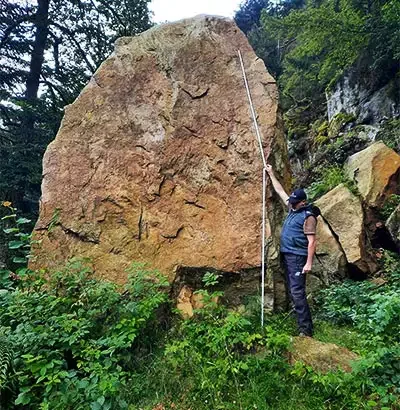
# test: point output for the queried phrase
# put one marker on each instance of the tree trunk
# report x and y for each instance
(28, 135)
(39, 45)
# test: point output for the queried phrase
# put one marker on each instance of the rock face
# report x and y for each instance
(344, 213)
(376, 172)
(322, 357)
(369, 106)
(157, 160)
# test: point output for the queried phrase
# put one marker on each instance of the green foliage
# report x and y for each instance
(79, 343)
(390, 134)
(20, 241)
(219, 359)
(321, 40)
(390, 205)
(72, 335)
(319, 132)
(336, 152)
(265, 43)
(7, 376)
(297, 120)
(390, 16)
(328, 179)
(249, 13)
(327, 37)
(372, 308)
(55, 218)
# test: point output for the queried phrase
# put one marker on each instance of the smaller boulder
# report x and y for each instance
(375, 170)
(184, 302)
(330, 262)
(343, 212)
(188, 301)
(322, 357)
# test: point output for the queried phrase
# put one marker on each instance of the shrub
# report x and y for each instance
(374, 310)
(72, 335)
(329, 178)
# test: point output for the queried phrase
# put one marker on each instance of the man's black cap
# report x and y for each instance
(297, 196)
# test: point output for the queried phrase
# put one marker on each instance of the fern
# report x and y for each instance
(7, 386)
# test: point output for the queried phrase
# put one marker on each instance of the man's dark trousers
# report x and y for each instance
(296, 283)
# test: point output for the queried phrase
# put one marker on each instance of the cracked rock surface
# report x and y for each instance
(157, 160)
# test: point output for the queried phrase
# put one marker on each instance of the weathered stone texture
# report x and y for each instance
(376, 172)
(157, 160)
(330, 262)
(344, 213)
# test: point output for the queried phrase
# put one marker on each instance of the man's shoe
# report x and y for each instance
(302, 334)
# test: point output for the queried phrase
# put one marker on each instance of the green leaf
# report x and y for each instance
(21, 221)
(95, 406)
(18, 259)
(23, 399)
(10, 230)
(9, 217)
(15, 244)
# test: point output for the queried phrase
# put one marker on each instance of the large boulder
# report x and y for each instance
(157, 159)
(376, 172)
(343, 211)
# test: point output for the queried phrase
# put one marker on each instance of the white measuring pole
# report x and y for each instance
(253, 113)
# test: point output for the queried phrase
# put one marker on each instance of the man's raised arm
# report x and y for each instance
(277, 185)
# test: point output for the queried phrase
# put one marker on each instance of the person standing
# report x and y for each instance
(297, 246)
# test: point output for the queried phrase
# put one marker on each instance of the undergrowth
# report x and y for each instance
(328, 179)
(72, 335)
(74, 342)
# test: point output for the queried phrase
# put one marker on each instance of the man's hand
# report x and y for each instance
(307, 268)
(269, 169)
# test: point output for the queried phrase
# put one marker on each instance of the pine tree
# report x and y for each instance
(48, 51)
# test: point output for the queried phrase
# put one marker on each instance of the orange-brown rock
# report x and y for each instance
(184, 302)
(157, 160)
(376, 172)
